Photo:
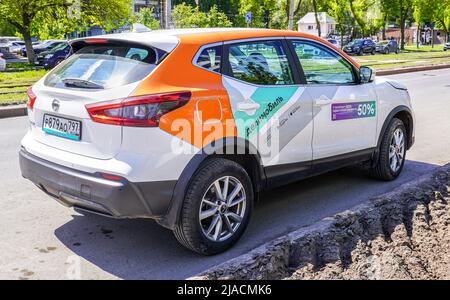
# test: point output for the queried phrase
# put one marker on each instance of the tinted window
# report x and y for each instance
(261, 62)
(104, 65)
(210, 58)
(323, 66)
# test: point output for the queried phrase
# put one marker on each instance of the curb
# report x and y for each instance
(13, 111)
(269, 258)
(412, 69)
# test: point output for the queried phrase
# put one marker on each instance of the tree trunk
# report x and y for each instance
(28, 44)
(418, 35)
(319, 31)
(402, 29)
(291, 14)
(26, 33)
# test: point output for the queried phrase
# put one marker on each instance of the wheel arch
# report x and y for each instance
(234, 148)
(403, 113)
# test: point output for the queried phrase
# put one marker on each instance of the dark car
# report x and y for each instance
(52, 58)
(45, 46)
(360, 46)
(387, 47)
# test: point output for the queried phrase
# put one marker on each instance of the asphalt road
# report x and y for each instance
(39, 238)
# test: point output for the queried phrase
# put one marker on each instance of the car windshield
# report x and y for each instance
(59, 47)
(356, 42)
(103, 67)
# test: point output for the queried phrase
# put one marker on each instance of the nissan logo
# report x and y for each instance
(55, 105)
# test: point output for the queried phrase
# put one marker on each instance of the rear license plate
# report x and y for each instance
(62, 127)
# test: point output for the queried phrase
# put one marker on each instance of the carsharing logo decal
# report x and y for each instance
(262, 105)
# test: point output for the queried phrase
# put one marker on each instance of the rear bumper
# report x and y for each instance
(93, 193)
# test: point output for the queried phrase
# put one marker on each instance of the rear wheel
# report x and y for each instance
(386, 51)
(361, 52)
(373, 52)
(216, 208)
(392, 152)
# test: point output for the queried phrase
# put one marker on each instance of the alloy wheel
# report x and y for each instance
(222, 208)
(397, 150)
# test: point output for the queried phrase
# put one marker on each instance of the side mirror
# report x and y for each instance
(366, 74)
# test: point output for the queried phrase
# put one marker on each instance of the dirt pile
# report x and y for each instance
(404, 234)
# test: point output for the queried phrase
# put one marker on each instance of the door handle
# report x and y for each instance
(323, 100)
(248, 106)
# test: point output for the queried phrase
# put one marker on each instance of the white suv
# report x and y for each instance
(188, 127)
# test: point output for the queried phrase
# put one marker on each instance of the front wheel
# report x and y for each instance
(392, 152)
(217, 207)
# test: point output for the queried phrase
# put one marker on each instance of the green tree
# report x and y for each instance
(441, 16)
(28, 16)
(146, 17)
(261, 10)
(188, 16)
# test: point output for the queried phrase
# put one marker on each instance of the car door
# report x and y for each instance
(344, 111)
(270, 108)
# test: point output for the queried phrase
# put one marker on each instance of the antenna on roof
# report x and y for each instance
(140, 28)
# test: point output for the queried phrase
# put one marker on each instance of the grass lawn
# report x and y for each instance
(17, 81)
(21, 77)
(9, 99)
(413, 48)
(404, 59)
(20, 65)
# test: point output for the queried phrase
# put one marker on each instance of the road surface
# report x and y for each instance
(39, 238)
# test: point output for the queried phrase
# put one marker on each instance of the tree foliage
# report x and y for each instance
(56, 17)
(146, 17)
(188, 16)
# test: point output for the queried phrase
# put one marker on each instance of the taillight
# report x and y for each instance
(140, 111)
(31, 98)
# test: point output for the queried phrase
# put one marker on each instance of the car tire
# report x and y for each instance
(373, 52)
(397, 51)
(386, 51)
(361, 52)
(198, 232)
(392, 152)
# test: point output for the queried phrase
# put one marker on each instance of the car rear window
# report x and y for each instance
(104, 66)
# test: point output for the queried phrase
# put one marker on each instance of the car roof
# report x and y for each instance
(167, 39)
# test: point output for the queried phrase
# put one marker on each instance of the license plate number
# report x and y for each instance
(62, 127)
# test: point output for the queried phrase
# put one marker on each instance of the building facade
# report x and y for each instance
(308, 24)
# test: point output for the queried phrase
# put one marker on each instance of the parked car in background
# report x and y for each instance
(44, 46)
(447, 46)
(2, 63)
(387, 47)
(16, 47)
(52, 58)
(5, 41)
(360, 46)
(334, 42)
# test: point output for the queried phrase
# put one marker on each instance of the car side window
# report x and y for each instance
(260, 62)
(210, 58)
(323, 66)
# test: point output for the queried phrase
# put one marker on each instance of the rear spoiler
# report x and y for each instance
(78, 44)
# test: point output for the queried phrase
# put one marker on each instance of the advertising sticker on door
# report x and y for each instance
(353, 110)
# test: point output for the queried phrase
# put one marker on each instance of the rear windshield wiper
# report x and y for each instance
(81, 83)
